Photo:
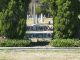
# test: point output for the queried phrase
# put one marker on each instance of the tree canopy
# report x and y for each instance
(65, 18)
(13, 18)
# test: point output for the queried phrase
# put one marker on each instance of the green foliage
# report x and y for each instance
(52, 7)
(65, 43)
(65, 17)
(14, 43)
(38, 9)
(44, 7)
(14, 19)
(3, 4)
(0, 22)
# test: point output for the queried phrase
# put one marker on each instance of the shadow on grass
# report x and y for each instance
(33, 44)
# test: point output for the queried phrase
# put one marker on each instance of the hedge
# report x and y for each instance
(65, 43)
(14, 43)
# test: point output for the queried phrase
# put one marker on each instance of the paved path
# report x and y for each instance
(39, 53)
(40, 48)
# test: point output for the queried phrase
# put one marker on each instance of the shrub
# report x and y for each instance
(13, 23)
(65, 18)
(14, 43)
(65, 43)
(77, 44)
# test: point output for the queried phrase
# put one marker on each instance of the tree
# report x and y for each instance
(14, 19)
(3, 4)
(65, 17)
(61, 20)
(38, 9)
(43, 8)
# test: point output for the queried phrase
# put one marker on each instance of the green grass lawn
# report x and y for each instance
(30, 21)
(40, 55)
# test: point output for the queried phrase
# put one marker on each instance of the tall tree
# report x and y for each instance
(62, 19)
(43, 8)
(14, 20)
(65, 17)
(3, 4)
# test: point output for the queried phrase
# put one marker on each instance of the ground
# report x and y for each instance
(46, 21)
(64, 54)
